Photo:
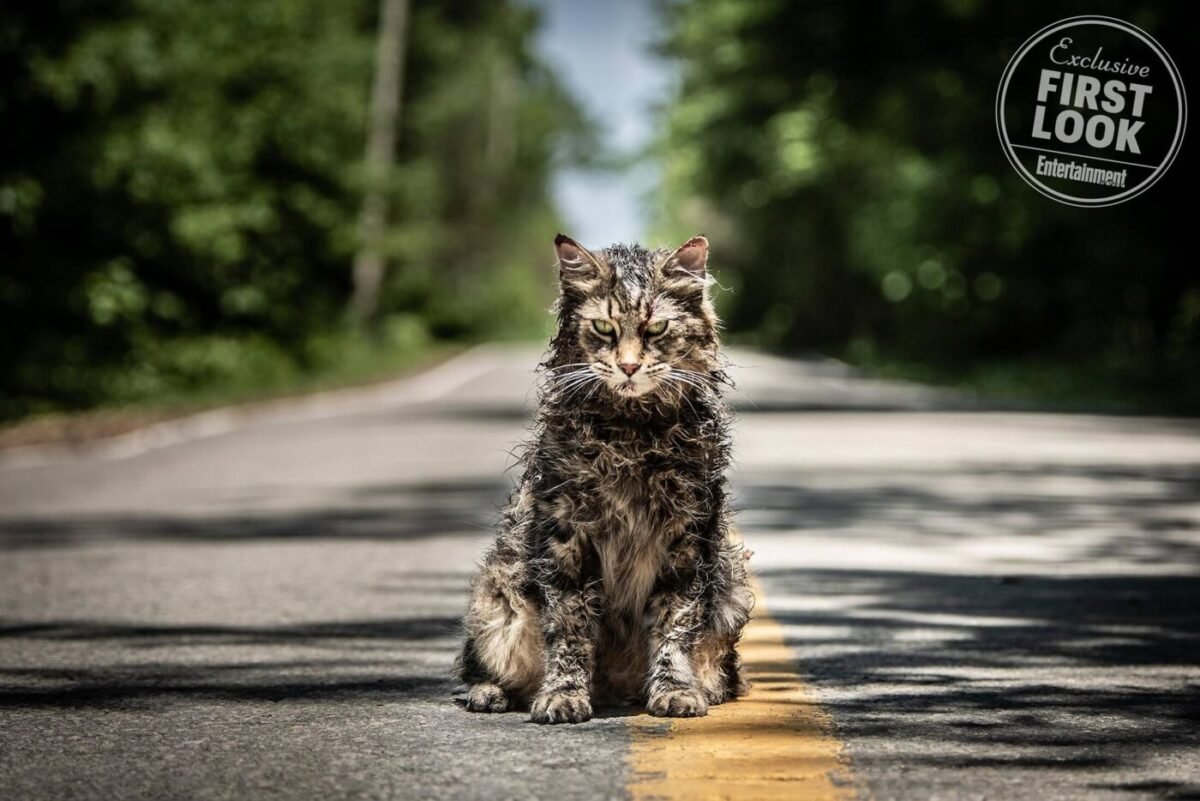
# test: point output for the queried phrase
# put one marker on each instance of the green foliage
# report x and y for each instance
(180, 184)
(843, 158)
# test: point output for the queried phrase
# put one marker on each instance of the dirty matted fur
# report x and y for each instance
(615, 577)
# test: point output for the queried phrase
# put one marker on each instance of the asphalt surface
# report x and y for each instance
(989, 605)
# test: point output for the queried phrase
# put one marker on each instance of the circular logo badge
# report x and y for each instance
(1091, 111)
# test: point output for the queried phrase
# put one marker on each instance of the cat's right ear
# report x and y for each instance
(576, 266)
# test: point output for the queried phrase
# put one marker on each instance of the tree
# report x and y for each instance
(181, 184)
(844, 160)
(387, 91)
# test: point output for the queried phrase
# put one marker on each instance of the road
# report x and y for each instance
(969, 604)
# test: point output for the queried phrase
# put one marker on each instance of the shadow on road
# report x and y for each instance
(1144, 514)
(370, 663)
(378, 512)
(933, 671)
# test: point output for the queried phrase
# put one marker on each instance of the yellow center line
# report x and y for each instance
(773, 743)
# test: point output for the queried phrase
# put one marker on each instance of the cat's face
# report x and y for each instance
(640, 320)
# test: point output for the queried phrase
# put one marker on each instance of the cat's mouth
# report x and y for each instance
(633, 389)
(626, 386)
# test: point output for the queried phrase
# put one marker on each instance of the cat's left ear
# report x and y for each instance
(689, 260)
(576, 266)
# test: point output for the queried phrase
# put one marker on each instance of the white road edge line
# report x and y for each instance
(434, 383)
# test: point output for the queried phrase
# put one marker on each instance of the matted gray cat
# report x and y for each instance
(615, 577)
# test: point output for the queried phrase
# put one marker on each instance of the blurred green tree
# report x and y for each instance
(179, 184)
(843, 156)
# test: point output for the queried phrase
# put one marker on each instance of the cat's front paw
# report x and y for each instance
(487, 698)
(561, 707)
(681, 703)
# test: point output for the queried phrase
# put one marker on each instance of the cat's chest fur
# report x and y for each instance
(631, 544)
(634, 492)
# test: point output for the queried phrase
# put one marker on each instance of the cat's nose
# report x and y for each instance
(629, 368)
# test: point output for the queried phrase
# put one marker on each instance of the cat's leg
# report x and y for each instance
(735, 674)
(716, 660)
(674, 618)
(502, 656)
(717, 667)
(568, 573)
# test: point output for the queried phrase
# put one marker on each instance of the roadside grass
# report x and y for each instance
(345, 361)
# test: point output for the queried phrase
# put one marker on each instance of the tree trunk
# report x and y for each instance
(386, 91)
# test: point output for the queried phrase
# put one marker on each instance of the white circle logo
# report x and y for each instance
(1091, 111)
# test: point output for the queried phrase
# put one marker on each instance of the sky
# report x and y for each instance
(602, 51)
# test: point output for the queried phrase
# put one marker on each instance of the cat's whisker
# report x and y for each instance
(576, 386)
(570, 377)
(568, 393)
(567, 386)
(576, 373)
(565, 390)
(683, 395)
(699, 379)
(575, 380)
(706, 377)
(716, 377)
(677, 387)
(590, 390)
(691, 380)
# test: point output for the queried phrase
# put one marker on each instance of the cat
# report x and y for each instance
(615, 577)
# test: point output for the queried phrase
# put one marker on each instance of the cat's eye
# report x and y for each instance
(656, 328)
(603, 327)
